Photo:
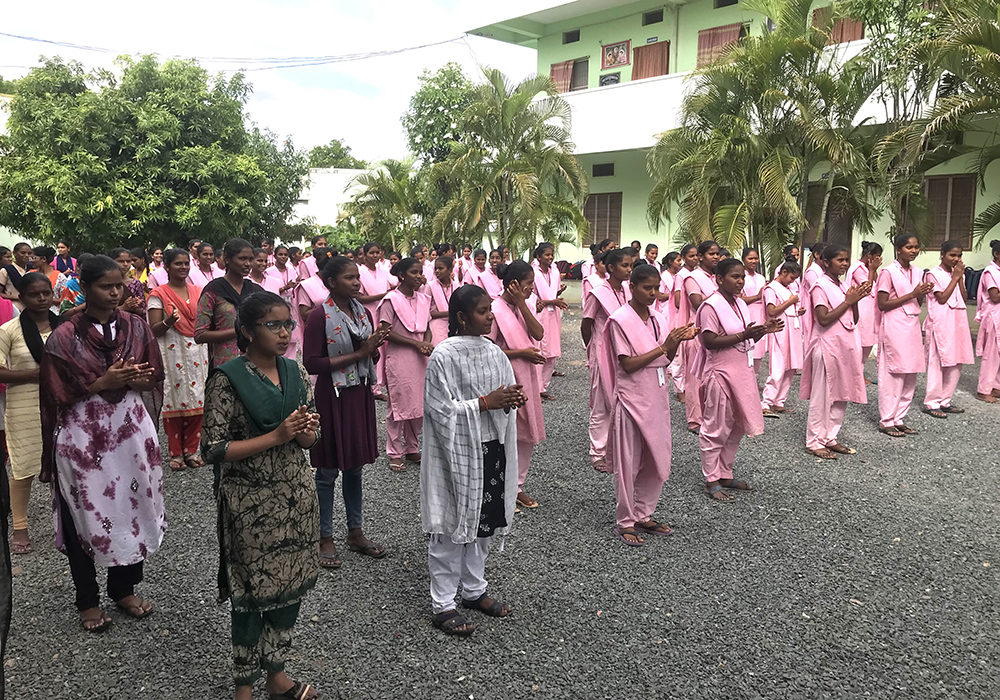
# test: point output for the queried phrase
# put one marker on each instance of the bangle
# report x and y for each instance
(486, 404)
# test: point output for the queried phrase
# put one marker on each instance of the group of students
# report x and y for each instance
(639, 317)
(463, 349)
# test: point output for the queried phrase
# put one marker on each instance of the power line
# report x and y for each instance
(258, 63)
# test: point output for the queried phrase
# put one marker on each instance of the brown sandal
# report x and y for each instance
(841, 449)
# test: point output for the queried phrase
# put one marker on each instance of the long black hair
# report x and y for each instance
(464, 300)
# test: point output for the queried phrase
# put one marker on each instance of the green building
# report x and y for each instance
(622, 67)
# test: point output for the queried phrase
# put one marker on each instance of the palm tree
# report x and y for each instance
(967, 53)
(386, 202)
(754, 126)
(514, 176)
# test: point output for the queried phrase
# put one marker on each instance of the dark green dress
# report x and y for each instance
(268, 511)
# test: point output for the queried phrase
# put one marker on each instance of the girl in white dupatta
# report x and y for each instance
(468, 474)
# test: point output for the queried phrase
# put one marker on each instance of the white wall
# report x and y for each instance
(325, 194)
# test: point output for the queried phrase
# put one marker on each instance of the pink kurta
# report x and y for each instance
(856, 276)
(510, 333)
(489, 281)
(588, 285)
(285, 276)
(788, 341)
(640, 414)
(839, 345)
(404, 366)
(667, 308)
(311, 292)
(472, 275)
(547, 288)
(988, 313)
(157, 277)
(587, 269)
(947, 325)
(372, 283)
(308, 268)
(901, 346)
(199, 279)
(697, 281)
(728, 371)
(753, 284)
(440, 297)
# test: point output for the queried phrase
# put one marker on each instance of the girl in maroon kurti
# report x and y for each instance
(340, 346)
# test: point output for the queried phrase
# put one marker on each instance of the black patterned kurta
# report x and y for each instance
(268, 510)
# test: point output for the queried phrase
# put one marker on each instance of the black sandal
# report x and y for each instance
(906, 431)
(935, 412)
(298, 691)
(952, 409)
(735, 484)
(450, 620)
(104, 622)
(495, 610)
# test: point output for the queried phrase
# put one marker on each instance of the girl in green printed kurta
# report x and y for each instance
(259, 417)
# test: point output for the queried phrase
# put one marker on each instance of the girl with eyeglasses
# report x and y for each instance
(259, 417)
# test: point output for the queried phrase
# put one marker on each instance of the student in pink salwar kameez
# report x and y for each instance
(784, 349)
(440, 290)
(376, 282)
(947, 333)
(685, 354)
(724, 368)
(591, 281)
(488, 279)
(517, 332)
(753, 295)
(988, 339)
(833, 374)
(901, 290)
(550, 305)
(865, 269)
(790, 253)
(698, 286)
(604, 300)
(640, 345)
(408, 314)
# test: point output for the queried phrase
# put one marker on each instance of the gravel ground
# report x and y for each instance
(872, 576)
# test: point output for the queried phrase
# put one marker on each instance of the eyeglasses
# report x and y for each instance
(276, 326)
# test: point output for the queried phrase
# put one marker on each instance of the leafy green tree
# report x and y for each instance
(154, 153)
(7, 87)
(514, 176)
(757, 123)
(385, 207)
(335, 155)
(431, 122)
(967, 50)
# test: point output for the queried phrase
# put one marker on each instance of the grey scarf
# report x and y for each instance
(344, 334)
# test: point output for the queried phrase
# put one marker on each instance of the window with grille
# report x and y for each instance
(604, 212)
(581, 75)
(952, 201)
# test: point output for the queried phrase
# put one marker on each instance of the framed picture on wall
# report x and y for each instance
(611, 78)
(616, 55)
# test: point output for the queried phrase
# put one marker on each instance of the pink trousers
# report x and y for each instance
(825, 417)
(692, 394)
(719, 437)
(941, 381)
(637, 483)
(779, 381)
(989, 374)
(402, 436)
(524, 450)
(546, 372)
(895, 394)
(676, 369)
(600, 424)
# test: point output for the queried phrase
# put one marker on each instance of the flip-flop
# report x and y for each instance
(654, 528)
(527, 501)
(986, 398)
(330, 561)
(841, 449)
(105, 621)
(557, 373)
(298, 691)
(714, 489)
(194, 461)
(369, 550)
(20, 547)
(735, 484)
(935, 413)
(621, 532)
(821, 454)
(952, 409)
(176, 464)
(892, 432)
(768, 413)
(129, 609)
(600, 466)
(907, 431)
(397, 466)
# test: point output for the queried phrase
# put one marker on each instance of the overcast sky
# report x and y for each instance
(360, 102)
